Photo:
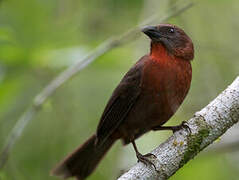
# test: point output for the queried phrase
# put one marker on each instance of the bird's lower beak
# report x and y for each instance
(152, 32)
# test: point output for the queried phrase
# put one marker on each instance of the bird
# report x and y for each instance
(148, 95)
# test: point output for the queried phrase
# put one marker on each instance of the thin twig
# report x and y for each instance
(41, 98)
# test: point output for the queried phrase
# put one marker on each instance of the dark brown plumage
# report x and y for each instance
(147, 96)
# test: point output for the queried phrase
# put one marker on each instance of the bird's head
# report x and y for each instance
(174, 39)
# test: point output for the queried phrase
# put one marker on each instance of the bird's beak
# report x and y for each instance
(152, 32)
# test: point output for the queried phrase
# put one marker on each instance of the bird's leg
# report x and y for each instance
(143, 158)
(173, 128)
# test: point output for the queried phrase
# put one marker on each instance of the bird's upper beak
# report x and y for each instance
(152, 32)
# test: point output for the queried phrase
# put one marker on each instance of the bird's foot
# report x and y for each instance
(146, 159)
(182, 125)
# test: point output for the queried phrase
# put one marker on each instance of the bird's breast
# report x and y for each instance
(166, 84)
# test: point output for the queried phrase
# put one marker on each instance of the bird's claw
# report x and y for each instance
(144, 159)
(150, 155)
(184, 124)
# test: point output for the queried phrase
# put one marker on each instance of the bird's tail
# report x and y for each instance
(83, 160)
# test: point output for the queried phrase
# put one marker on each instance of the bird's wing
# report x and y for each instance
(121, 102)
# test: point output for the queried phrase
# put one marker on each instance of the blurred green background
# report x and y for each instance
(40, 38)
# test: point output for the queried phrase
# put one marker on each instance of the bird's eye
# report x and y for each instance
(171, 30)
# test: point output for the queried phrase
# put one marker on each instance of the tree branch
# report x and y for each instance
(228, 143)
(207, 125)
(41, 98)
